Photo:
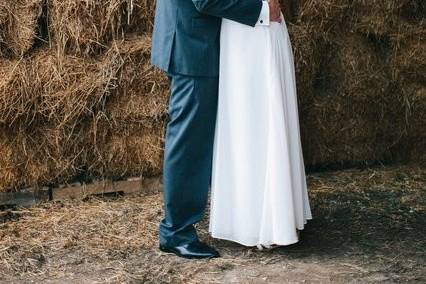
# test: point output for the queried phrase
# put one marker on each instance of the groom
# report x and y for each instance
(185, 44)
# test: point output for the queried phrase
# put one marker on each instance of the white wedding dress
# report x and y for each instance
(259, 195)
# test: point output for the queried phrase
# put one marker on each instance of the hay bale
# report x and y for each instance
(413, 11)
(9, 173)
(76, 88)
(380, 17)
(18, 25)
(143, 90)
(42, 155)
(368, 104)
(289, 9)
(86, 26)
(357, 68)
(326, 16)
(352, 68)
(51, 154)
(19, 91)
(71, 117)
(140, 16)
(376, 16)
(415, 141)
(126, 150)
(341, 131)
(308, 50)
(129, 131)
(408, 56)
(345, 130)
(60, 89)
(344, 121)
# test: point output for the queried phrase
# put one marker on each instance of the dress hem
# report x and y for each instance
(250, 244)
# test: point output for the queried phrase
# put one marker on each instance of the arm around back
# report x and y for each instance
(243, 11)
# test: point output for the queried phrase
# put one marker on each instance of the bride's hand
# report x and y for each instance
(274, 11)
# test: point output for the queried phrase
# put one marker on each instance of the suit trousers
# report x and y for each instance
(188, 156)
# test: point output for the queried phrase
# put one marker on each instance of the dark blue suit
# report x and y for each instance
(185, 44)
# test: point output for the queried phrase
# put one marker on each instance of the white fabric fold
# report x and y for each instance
(259, 192)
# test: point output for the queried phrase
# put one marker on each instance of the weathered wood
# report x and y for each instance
(132, 185)
(79, 191)
(32, 196)
(128, 186)
(24, 198)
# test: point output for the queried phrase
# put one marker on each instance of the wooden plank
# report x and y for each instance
(129, 186)
(80, 191)
(25, 198)
(10, 199)
(31, 196)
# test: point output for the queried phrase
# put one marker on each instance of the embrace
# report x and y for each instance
(233, 125)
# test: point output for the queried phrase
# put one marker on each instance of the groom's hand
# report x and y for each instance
(274, 11)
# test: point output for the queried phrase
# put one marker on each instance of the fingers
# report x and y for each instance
(275, 11)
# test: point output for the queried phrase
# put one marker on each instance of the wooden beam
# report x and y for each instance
(129, 186)
(31, 196)
(25, 198)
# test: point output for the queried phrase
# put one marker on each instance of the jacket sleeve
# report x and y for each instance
(243, 11)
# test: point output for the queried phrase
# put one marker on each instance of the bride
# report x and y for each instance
(259, 194)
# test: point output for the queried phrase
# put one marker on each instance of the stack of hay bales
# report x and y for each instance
(364, 97)
(85, 105)
(129, 130)
(80, 101)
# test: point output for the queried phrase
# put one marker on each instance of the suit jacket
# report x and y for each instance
(186, 33)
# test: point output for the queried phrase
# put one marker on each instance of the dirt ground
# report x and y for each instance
(368, 227)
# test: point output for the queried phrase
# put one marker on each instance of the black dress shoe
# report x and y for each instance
(195, 249)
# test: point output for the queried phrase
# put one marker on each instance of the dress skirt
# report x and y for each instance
(258, 192)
